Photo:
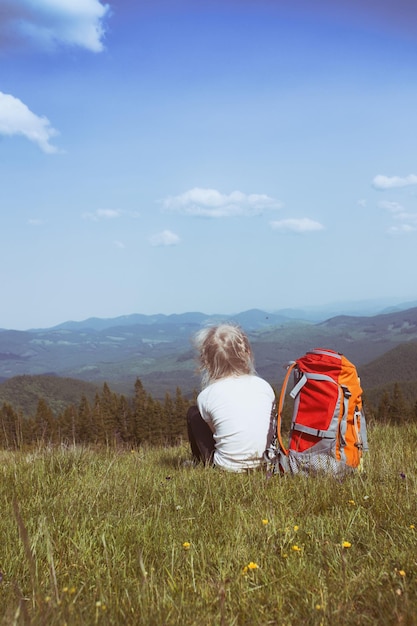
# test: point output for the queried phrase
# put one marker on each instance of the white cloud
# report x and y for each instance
(211, 203)
(17, 119)
(389, 182)
(102, 214)
(402, 228)
(107, 214)
(302, 225)
(48, 23)
(392, 207)
(406, 222)
(165, 238)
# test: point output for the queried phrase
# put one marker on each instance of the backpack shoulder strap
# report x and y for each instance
(281, 405)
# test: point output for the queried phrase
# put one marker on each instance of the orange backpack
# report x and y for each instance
(328, 428)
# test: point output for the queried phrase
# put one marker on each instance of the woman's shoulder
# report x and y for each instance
(261, 382)
(237, 381)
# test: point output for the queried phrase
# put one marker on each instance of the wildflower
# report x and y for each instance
(352, 502)
(186, 545)
(64, 589)
(47, 599)
(98, 603)
(265, 522)
(296, 528)
(250, 566)
(412, 527)
(295, 548)
(346, 544)
(72, 590)
(401, 573)
(318, 607)
(402, 475)
(398, 592)
(285, 555)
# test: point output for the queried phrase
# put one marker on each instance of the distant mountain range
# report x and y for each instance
(253, 318)
(158, 349)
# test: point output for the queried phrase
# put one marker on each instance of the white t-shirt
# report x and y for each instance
(238, 410)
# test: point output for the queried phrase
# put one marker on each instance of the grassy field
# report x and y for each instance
(111, 537)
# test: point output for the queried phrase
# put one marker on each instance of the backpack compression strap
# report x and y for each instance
(281, 406)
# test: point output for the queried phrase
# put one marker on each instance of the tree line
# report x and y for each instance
(111, 419)
(393, 408)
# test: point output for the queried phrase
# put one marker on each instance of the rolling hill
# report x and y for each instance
(158, 350)
(397, 366)
(24, 392)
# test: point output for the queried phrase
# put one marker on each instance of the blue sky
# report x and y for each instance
(162, 157)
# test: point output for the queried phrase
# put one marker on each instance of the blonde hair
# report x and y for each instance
(224, 350)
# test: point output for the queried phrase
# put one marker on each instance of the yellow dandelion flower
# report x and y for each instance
(285, 556)
(401, 572)
(64, 589)
(346, 544)
(318, 607)
(265, 522)
(47, 599)
(412, 527)
(352, 502)
(295, 548)
(72, 590)
(296, 528)
(98, 603)
(253, 565)
(186, 545)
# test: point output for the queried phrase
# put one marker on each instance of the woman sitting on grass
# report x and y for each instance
(232, 425)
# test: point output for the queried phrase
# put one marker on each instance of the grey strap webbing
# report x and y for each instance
(309, 376)
(335, 355)
(323, 434)
(296, 390)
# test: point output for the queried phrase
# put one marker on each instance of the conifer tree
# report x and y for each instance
(9, 434)
(168, 416)
(108, 409)
(180, 412)
(398, 410)
(84, 429)
(123, 419)
(67, 424)
(153, 420)
(139, 413)
(44, 422)
(384, 407)
(97, 422)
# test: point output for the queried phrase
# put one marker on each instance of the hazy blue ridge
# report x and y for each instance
(158, 349)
